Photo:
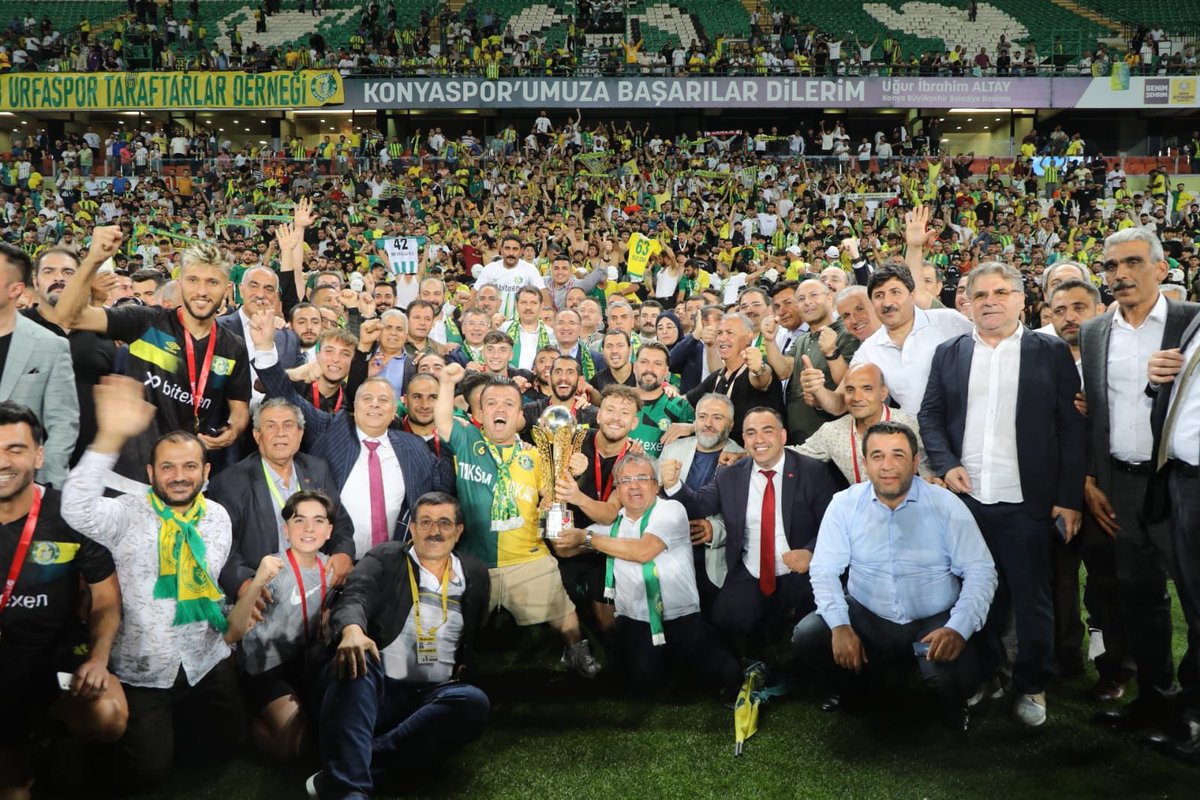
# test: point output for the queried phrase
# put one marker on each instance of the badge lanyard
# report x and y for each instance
(337, 406)
(427, 640)
(14, 570)
(603, 496)
(300, 585)
(198, 386)
(437, 443)
(887, 415)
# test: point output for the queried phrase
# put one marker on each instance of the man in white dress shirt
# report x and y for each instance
(652, 582)
(1000, 426)
(1116, 348)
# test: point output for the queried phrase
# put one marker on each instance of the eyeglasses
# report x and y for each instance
(628, 479)
(443, 525)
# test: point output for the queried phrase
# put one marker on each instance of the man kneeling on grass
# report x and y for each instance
(405, 625)
(921, 579)
(652, 580)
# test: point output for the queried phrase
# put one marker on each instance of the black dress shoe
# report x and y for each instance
(1133, 716)
(1187, 751)
(832, 703)
(1180, 734)
(957, 718)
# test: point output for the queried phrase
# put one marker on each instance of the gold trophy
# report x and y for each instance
(557, 438)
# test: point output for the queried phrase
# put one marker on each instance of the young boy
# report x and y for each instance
(272, 651)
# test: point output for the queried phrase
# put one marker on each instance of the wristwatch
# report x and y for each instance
(587, 540)
(834, 356)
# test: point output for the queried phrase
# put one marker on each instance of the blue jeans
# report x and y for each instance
(373, 727)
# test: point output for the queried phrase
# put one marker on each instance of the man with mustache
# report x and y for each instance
(498, 487)
(1117, 349)
(169, 545)
(746, 378)
(395, 697)
(92, 356)
(195, 371)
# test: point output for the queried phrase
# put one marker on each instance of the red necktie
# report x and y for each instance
(379, 531)
(766, 550)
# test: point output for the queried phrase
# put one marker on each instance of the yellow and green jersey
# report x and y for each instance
(476, 472)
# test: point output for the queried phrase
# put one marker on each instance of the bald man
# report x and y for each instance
(840, 440)
(834, 279)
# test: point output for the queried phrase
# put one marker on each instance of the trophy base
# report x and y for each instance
(557, 518)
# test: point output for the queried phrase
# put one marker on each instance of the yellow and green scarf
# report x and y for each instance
(506, 515)
(182, 566)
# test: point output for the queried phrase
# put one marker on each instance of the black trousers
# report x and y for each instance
(1185, 540)
(207, 718)
(741, 609)
(1092, 548)
(693, 648)
(1021, 547)
(1143, 551)
(888, 645)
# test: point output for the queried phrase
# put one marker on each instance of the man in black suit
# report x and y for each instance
(255, 489)
(1014, 451)
(260, 290)
(1115, 349)
(1176, 489)
(771, 581)
(376, 484)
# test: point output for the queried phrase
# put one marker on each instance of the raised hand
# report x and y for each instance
(670, 469)
(121, 408)
(105, 242)
(262, 330)
(302, 214)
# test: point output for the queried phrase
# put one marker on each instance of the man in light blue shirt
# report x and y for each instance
(921, 579)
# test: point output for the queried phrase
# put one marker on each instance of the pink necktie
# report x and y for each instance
(379, 531)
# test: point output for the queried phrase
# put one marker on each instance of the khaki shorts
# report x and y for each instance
(532, 592)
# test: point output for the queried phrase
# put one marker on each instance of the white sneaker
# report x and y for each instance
(1031, 709)
(579, 658)
(992, 690)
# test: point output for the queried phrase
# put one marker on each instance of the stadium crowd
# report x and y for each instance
(475, 41)
(275, 422)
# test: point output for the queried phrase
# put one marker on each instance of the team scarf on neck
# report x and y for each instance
(506, 516)
(473, 354)
(654, 601)
(543, 340)
(182, 566)
(586, 363)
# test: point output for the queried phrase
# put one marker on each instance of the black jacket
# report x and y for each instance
(377, 598)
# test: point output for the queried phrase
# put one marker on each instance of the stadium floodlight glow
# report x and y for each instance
(247, 130)
(959, 128)
(7, 114)
(970, 119)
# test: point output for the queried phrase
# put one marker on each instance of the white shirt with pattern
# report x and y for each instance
(149, 648)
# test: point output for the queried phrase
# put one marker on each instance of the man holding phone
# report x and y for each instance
(933, 600)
